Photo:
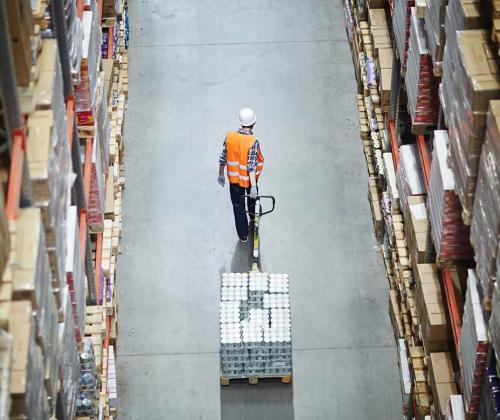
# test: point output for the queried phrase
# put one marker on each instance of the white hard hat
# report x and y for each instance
(247, 117)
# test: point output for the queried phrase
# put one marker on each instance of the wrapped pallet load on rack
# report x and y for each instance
(86, 90)
(74, 273)
(74, 28)
(409, 177)
(67, 362)
(401, 19)
(430, 309)
(450, 235)
(36, 311)
(473, 346)
(485, 228)
(49, 158)
(421, 85)
(470, 80)
(434, 16)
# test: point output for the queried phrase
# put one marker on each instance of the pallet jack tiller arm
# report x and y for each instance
(257, 214)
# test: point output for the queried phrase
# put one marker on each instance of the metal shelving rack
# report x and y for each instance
(19, 189)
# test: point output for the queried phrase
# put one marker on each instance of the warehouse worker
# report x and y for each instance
(244, 161)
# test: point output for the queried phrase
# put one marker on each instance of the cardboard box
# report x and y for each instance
(21, 28)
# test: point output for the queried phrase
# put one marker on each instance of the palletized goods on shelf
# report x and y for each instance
(473, 346)
(68, 361)
(48, 155)
(86, 90)
(450, 235)
(401, 19)
(434, 16)
(470, 80)
(444, 181)
(421, 85)
(485, 228)
(409, 177)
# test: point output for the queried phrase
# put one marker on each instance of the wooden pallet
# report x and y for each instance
(254, 380)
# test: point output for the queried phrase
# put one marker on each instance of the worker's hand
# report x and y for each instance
(253, 193)
(221, 180)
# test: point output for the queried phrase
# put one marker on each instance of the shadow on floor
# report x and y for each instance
(265, 401)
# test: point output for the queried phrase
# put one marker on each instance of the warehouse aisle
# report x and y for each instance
(193, 65)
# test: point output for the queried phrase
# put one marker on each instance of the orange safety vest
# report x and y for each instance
(237, 146)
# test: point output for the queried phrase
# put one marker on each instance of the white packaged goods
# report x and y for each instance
(255, 325)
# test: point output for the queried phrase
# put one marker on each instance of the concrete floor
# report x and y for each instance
(193, 65)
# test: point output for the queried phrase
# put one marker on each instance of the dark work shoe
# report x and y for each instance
(244, 239)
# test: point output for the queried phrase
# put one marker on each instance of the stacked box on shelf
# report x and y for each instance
(379, 30)
(421, 85)
(74, 29)
(455, 408)
(48, 155)
(21, 27)
(103, 126)
(6, 346)
(97, 185)
(384, 68)
(409, 177)
(29, 397)
(449, 234)
(434, 15)
(405, 375)
(401, 19)
(470, 80)
(462, 15)
(68, 359)
(86, 90)
(494, 321)
(31, 280)
(485, 228)
(75, 273)
(430, 309)
(473, 346)
(442, 382)
(4, 235)
(416, 229)
(490, 401)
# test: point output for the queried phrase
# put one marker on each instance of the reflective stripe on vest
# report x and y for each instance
(237, 146)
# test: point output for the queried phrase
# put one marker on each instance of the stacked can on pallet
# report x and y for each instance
(255, 325)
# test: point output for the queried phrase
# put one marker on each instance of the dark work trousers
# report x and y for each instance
(240, 216)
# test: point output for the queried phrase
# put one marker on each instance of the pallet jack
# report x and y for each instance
(256, 268)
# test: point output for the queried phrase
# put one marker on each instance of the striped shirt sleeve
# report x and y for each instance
(223, 155)
(252, 157)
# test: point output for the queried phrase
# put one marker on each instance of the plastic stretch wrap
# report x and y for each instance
(96, 199)
(401, 26)
(434, 15)
(469, 82)
(74, 272)
(68, 359)
(450, 235)
(103, 126)
(409, 177)
(86, 90)
(349, 20)
(74, 31)
(49, 158)
(473, 346)
(485, 228)
(6, 345)
(32, 280)
(490, 398)
(421, 85)
(87, 380)
(29, 398)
